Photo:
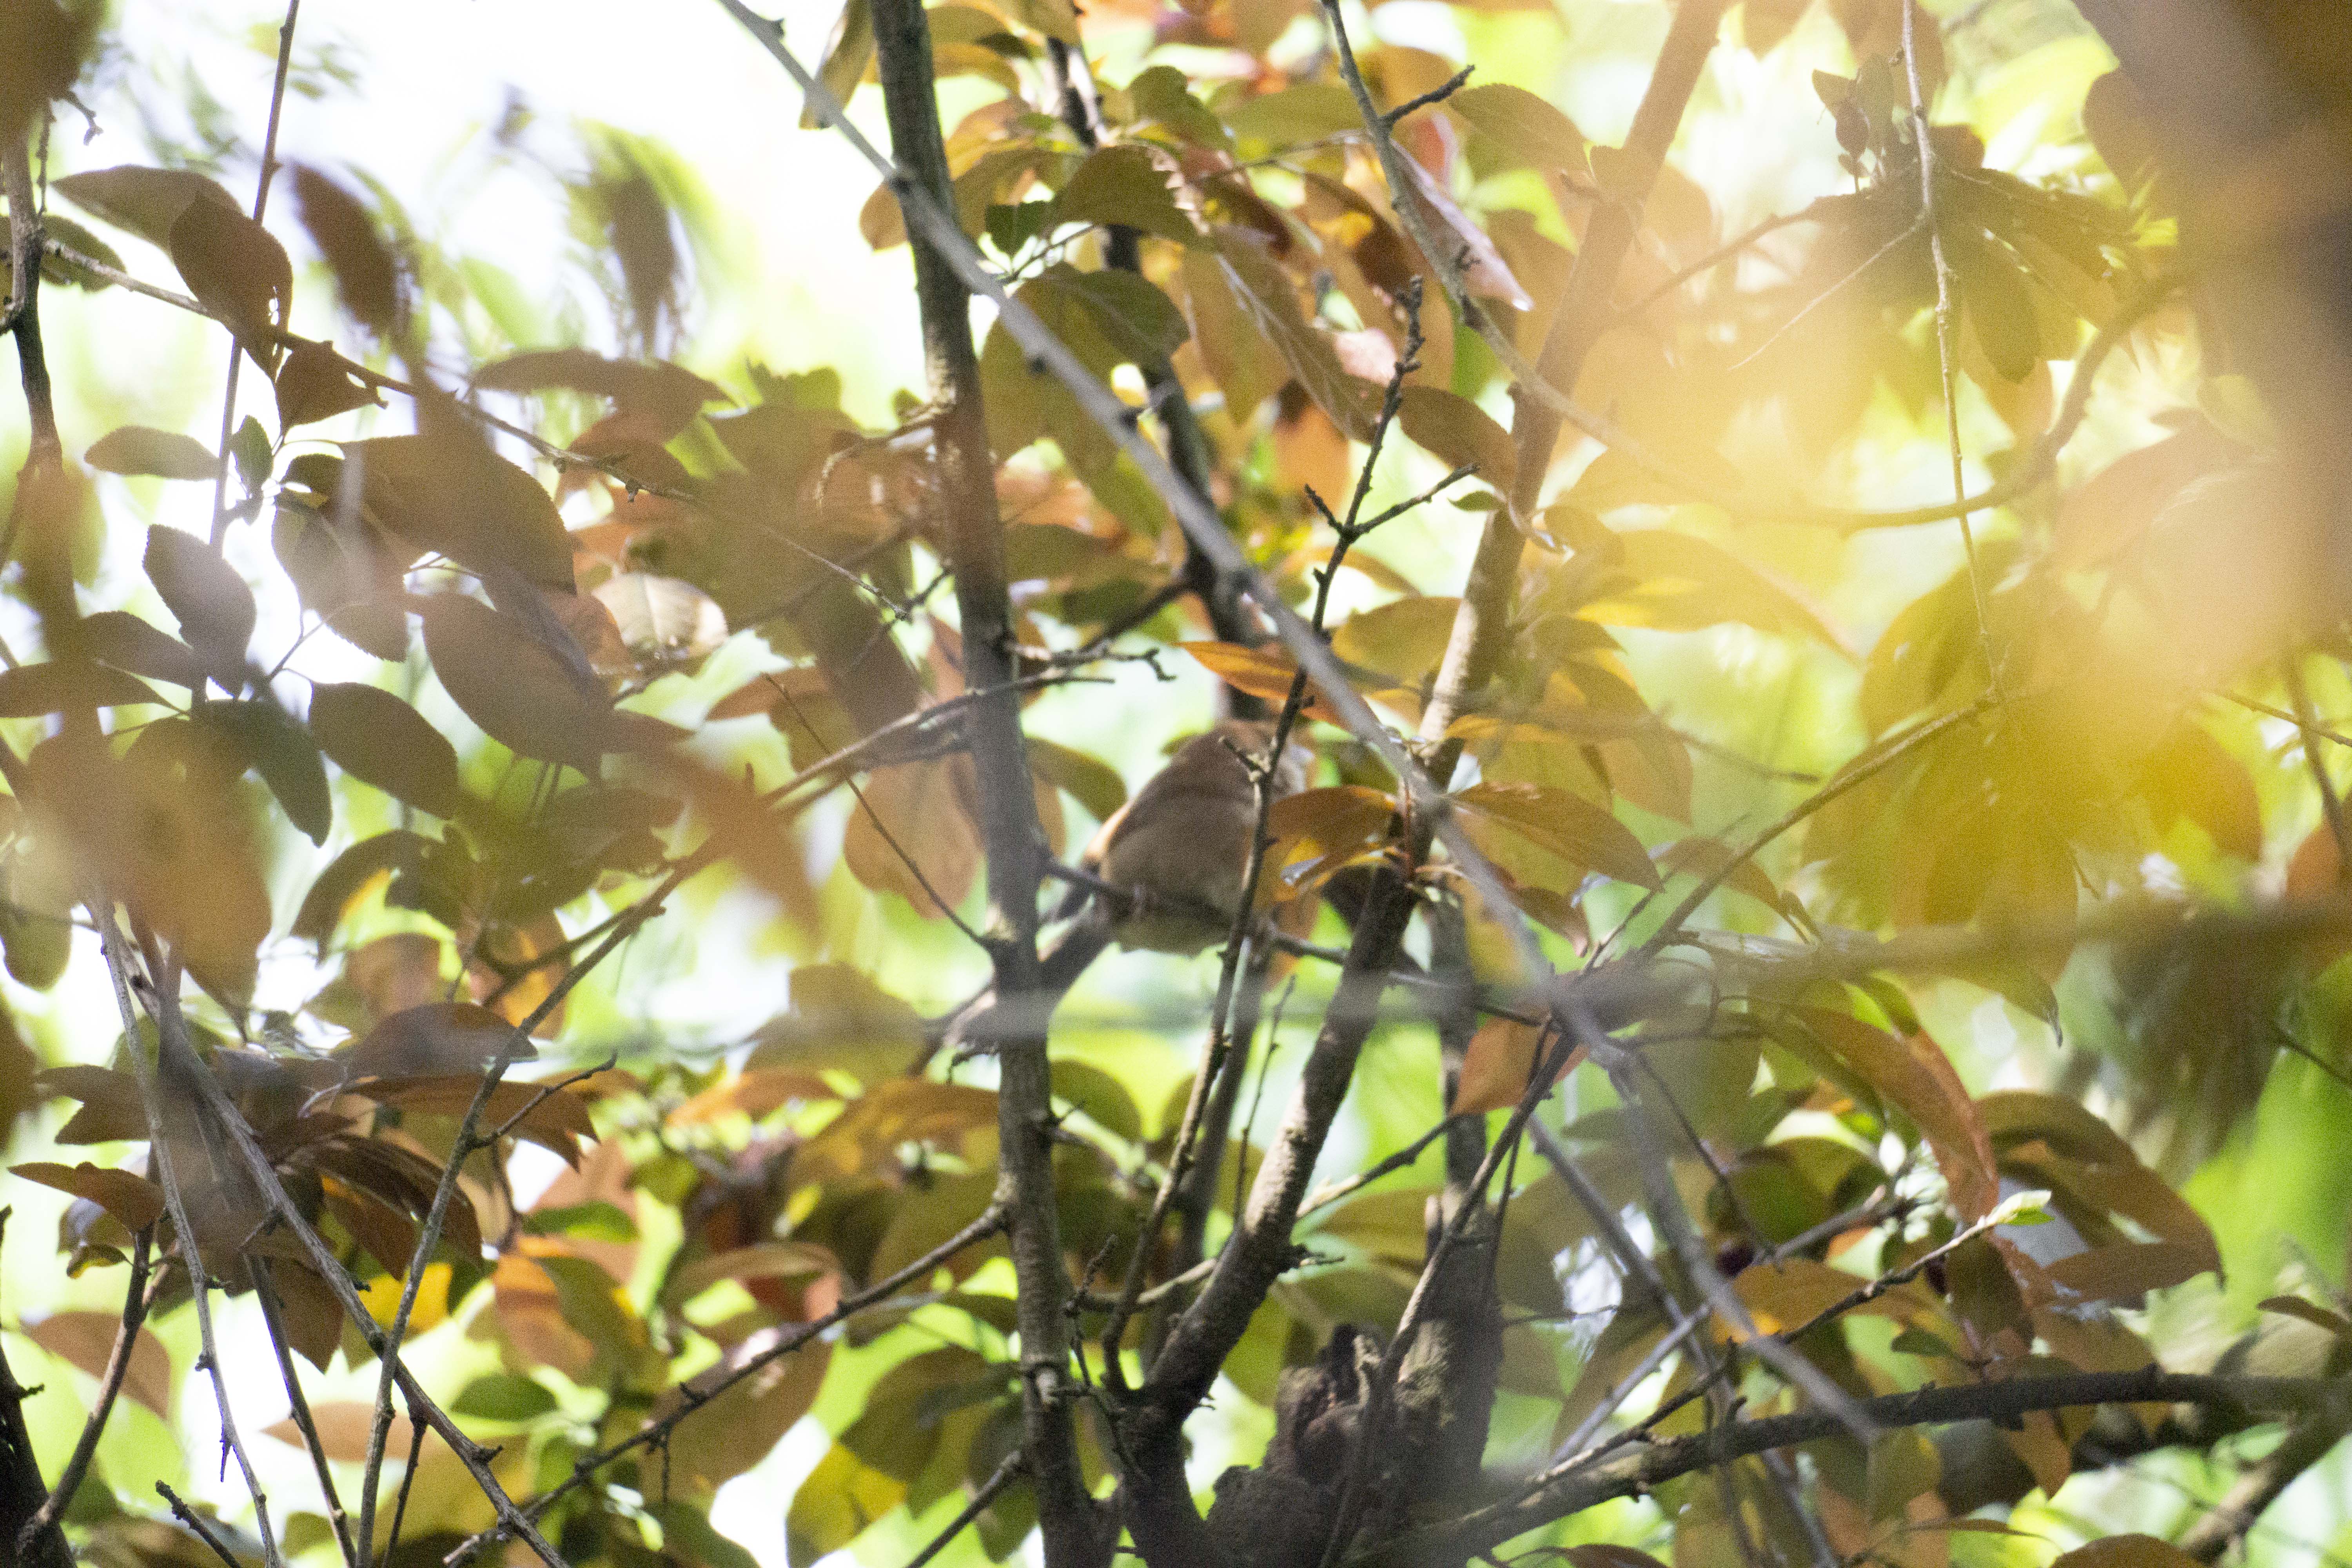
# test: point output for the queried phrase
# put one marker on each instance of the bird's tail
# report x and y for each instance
(987, 1020)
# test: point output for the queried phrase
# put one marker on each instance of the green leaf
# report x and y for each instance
(1523, 127)
(377, 738)
(503, 1396)
(840, 1497)
(283, 754)
(1125, 185)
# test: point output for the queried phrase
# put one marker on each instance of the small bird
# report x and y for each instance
(1180, 843)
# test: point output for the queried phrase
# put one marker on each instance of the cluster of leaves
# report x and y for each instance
(2038, 725)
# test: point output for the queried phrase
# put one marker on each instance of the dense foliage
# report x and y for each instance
(1751, 970)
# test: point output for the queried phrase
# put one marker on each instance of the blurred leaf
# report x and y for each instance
(282, 752)
(662, 619)
(437, 1039)
(144, 202)
(365, 274)
(668, 395)
(1561, 824)
(736, 1430)
(212, 604)
(1316, 833)
(847, 54)
(316, 382)
(86, 1339)
(238, 271)
(1498, 1064)
(444, 489)
(1523, 127)
(166, 454)
(30, 691)
(349, 876)
(840, 1497)
(1125, 185)
(121, 640)
(508, 682)
(1458, 433)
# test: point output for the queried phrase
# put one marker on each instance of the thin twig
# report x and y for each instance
(138, 1296)
(1725, 252)
(981, 1500)
(260, 205)
(196, 1523)
(1931, 214)
(273, 1313)
(2331, 803)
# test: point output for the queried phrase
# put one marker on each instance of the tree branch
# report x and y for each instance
(260, 205)
(1579, 1486)
(965, 479)
(43, 451)
(138, 1296)
(2242, 1508)
(23, 1499)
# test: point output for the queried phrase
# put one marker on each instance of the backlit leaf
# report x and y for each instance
(145, 202)
(365, 274)
(444, 489)
(375, 737)
(1458, 433)
(1561, 824)
(119, 638)
(30, 691)
(508, 682)
(166, 454)
(1125, 185)
(316, 382)
(215, 606)
(238, 270)
(278, 748)
(86, 1339)
(134, 1200)
(437, 1039)
(1525, 127)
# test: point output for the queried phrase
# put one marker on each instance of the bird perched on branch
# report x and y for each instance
(1177, 852)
